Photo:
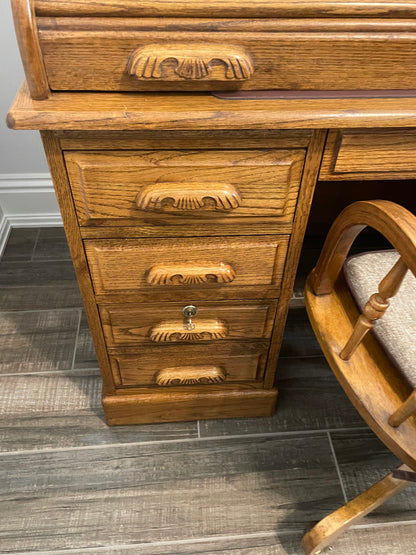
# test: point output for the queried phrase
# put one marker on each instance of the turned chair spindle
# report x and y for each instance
(379, 381)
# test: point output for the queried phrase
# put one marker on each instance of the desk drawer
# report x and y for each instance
(129, 54)
(140, 187)
(191, 366)
(189, 264)
(363, 154)
(164, 323)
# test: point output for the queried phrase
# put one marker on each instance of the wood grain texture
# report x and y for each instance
(114, 493)
(20, 245)
(46, 341)
(48, 274)
(139, 139)
(205, 294)
(30, 52)
(306, 191)
(240, 362)
(190, 375)
(375, 307)
(404, 411)
(52, 244)
(231, 8)
(382, 540)
(360, 154)
(54, 412)
(90, 111)
(213, 187)
(333, 313)
(199, 228)
(391, 391)
(36, 297)
(214, 196)
(166, 23)
(363, 459)
(374, 386)
(38, 285)
(177, 330)
(391, 220)
(143, 406)
(192, 62)
(329, 528)
(77, 60)
(63, 193)
(310, 398)
(85, 355)
(52, 393)
(119, 266)
(135, 323)
(190, 273)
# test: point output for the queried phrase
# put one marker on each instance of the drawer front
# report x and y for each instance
(129, 265)
(165, 323)
(194, 365)
(116, 55)
(360, 154)
(137, 187)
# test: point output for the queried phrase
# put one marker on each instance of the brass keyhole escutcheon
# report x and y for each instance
(189, 312)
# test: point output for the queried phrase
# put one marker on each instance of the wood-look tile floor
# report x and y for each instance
(70, 484)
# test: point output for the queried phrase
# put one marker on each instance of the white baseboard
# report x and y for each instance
(4, 231)
(26, 200)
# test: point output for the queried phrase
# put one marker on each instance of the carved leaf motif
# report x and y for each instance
(192, 61)
(188, 196)
(189, 274)
(190, 375)
(192, 68)
(205, 330)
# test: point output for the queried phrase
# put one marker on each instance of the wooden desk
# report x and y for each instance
(185, 213)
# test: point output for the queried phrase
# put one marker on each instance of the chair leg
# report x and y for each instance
(332, 526)
(404, 411)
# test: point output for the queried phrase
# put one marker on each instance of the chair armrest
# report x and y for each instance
(394, 222)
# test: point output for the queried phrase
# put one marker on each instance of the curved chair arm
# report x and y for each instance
(397, 224)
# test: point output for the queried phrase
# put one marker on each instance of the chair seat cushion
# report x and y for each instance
(396, 330)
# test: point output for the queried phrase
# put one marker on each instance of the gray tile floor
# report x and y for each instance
(70, 484)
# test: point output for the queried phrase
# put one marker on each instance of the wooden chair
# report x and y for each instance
(381, 388)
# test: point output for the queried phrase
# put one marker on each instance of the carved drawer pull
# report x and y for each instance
(188, 196)
(189, 274)
(203, 330)
(190, 375)
(192, 61)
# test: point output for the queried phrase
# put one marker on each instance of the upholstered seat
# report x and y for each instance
(396, 330)
(363, 312)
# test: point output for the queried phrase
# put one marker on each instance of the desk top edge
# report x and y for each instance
(226, 8)
(166, 111)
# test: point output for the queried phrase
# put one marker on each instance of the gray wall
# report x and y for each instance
(20, 151)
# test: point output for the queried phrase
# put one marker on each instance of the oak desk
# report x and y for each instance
(185, 211)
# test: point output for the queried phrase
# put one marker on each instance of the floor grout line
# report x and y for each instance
(202, 540)
(37, 260)
(344, 493)
(76, 340)
(167, 543)
(320, 355)
(35, 245)
(278, 435)
(322, 431)
(69, 309)
(383, 524)
(59, 373)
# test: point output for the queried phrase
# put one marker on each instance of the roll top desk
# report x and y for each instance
(185, 140)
